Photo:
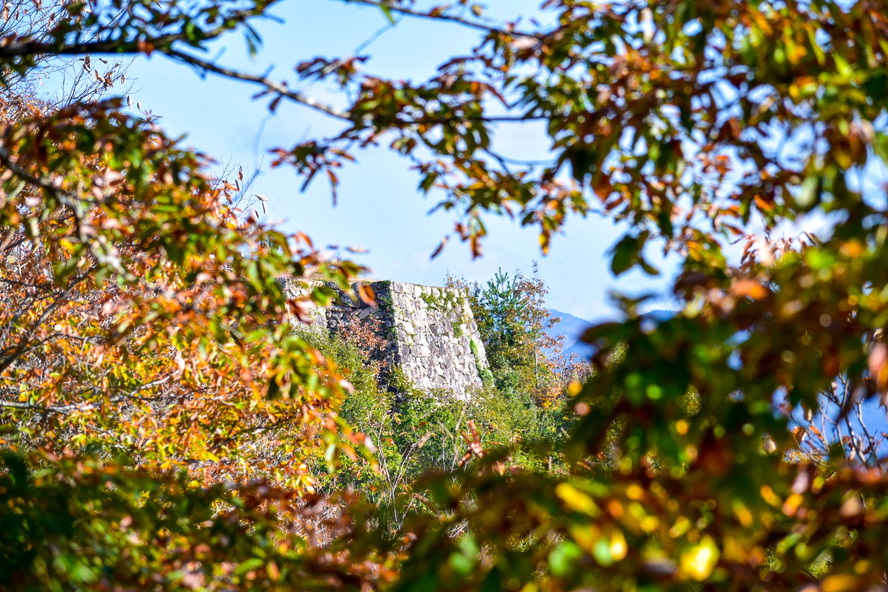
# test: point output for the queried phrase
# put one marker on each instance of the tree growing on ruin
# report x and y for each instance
(514, 324)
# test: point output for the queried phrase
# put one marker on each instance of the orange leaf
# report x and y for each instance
(749, 288)
(366, 294)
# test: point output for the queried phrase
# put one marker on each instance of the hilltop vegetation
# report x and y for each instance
(521, 415)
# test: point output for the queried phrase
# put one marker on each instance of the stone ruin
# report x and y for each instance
(430, 332)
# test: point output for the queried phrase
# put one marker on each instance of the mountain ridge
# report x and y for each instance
(572, 327)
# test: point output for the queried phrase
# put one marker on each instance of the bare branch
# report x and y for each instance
(278, 87)
(447, 18)
(76, 407)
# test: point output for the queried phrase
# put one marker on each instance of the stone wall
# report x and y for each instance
(430, 333)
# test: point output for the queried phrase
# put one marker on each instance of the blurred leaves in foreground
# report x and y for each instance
(142, 321)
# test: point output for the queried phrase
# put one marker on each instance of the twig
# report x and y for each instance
(272, 85)
(75, 407)
(33, 47)
(281, 89)
(446, 17)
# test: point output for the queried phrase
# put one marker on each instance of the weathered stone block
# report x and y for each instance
(429, 332)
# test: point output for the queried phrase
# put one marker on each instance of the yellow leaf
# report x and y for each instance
(792, 504)
(618, 547)
(743, 514)
(576, 500)
(585, 535)
(698, 562)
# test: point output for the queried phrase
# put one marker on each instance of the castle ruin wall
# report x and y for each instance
(430, 332)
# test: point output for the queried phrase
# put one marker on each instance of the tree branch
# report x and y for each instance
(280, 88)
(33, 47)
(445, 17)
(98, 247)
(110, 46)
(75, 407)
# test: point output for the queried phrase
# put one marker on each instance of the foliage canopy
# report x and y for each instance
(141, 318)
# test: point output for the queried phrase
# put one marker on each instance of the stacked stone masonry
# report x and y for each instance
(430, 332)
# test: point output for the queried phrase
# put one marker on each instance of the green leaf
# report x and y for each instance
(563, 557)
(809, 193)
(249, 565)
(388, 14)
(627, 252)
(602, 553)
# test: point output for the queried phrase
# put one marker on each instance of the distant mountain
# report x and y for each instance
(659, 315)
(570, 327)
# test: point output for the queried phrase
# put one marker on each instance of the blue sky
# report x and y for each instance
(379, 207)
